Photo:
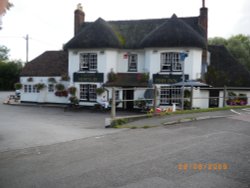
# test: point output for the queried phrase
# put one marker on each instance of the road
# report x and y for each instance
(166, 156)
(29, 126)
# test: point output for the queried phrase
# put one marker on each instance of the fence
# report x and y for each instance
(185, 98)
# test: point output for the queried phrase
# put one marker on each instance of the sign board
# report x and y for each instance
(88, 77)
(167, 78)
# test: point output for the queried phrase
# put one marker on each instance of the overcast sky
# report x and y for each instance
(49, 23)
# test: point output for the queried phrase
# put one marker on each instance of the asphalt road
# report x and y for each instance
(169, 156)
(29, 126)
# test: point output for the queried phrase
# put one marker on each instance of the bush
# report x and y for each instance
(18, 86)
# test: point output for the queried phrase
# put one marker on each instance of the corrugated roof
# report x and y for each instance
(50, 63)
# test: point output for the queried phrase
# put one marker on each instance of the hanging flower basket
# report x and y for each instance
(60, 87)
(40, 86)
(72, 90)
(52, 80)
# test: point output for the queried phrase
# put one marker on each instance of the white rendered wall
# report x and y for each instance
(200, 98)
(43, 96)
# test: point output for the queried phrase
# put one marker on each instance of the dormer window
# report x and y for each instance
(171, 62)
(132, 62)
(88, 62)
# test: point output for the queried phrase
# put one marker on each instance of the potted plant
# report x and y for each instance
(100, 90)
(65, 77)
(112, 76)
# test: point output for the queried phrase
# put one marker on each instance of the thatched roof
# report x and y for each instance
(174, 33)
(50, 63)
(225, 70)
(96, 35)
(130, 34)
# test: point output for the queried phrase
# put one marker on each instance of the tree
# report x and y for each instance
(9, 70)
(4, 6)
(238, 46)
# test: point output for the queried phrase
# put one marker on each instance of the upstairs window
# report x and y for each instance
(171, 62)
(88, 62)
(132, 63)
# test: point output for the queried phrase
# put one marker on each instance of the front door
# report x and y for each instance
(128, 95)
(214, 98)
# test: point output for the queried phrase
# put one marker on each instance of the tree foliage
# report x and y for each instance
(238, 46)
(9, 70)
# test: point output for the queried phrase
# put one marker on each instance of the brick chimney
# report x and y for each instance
(79, 18)
(203, 18)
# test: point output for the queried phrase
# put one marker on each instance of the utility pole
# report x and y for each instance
(27, 47)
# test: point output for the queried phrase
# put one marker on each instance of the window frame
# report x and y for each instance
(171, 62)
(88, 62)
(171, 95)
(88, 92)
(132, 62)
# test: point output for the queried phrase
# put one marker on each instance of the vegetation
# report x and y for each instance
(60, 87)
(238, 46)
(9, 70)
(100, 90)
(65, 77)
(72, 91)
(40, 86)
(112, 76)
(52, 80)
(18, 86)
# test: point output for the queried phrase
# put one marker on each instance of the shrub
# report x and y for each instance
(18, 86)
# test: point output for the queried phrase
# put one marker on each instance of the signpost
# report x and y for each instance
(182, 58)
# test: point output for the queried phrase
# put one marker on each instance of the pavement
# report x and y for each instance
(180, 118)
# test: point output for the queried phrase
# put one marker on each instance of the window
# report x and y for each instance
(30, 89)
(117, 95)
(169, 95)
(88, 92)
(132, 63)
(51, 88)
(171, 62)
(88, 62)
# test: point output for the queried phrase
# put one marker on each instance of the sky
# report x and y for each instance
(50, 23)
